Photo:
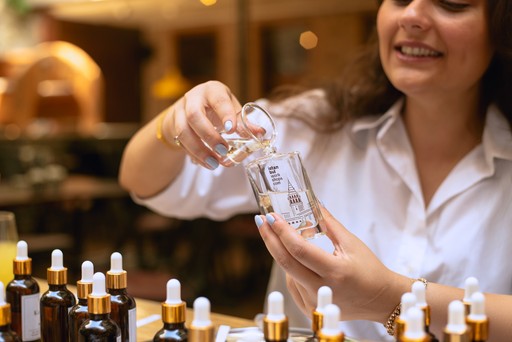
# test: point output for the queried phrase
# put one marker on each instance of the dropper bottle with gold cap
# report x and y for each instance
(80, 313)
(173, 315)
(23, 295)
(123, 305)
(6, 334)
(99, 326)
(324, 298)
(201, 329)
(56, 302)
(275, 322)
(330, 331)
(477, 319)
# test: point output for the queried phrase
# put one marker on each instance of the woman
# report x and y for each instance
(411, 150)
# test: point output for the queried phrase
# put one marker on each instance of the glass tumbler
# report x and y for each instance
(8, 241)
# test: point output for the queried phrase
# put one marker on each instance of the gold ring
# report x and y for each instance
(177, 141)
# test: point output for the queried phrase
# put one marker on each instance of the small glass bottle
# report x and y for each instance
(324, 298)
(23, 295)
(173, 315)
(56, 302)
(123, 305)
(99, 326)
(79, 313)
(419, 289)
(201, 328)
(6, 334)
(275, 322)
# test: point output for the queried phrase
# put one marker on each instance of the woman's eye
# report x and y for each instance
(402, 2)
(453, 6)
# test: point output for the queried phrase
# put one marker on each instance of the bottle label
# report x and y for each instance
(132, 324)
(31, 318)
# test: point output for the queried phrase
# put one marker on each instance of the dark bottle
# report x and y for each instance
(23, 295)
(123, 305)
(56, 302)
(173, 315)
(6, 334)
(99, 327)
(79, 313)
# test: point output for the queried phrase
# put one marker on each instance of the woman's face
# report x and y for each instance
(434, 46)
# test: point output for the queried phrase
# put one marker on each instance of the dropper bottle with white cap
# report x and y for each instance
(173, 315)
(23, 295)
(56, 302)
(414, 326)
(275, 322)
(456, 330)
(324, 298)
(123, 305)
(408, 301)
(6, 334)
(419, 289)
(99, 326)
(471, 286)
(79, 313)
(201, 329)
(331, 331)
(477, 319)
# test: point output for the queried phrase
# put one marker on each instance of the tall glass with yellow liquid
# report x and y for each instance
(8, 241)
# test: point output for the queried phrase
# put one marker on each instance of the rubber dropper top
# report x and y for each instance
(22, 264)
(331, 326)
(456, 318)
(324, 298)
(5, 308)
(275, 307)
(471, 286)
(414, 328)
(98, 300)
(418, 289)
(408, 300)
(477, 306)
(201, 312)
(57, 273)
(84, 285)
(116, 276)
(174, 309)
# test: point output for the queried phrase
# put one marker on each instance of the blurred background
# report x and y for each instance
(78, 77)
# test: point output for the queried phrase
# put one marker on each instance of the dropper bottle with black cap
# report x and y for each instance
(173, 315)
(80, 313)
(23, 295)
(99, 326)
(123, 304)
(56, 302)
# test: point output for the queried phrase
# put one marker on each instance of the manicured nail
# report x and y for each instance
(270, 219)
(228, 125)
(258, 220)
(221, 149)
(212, 163)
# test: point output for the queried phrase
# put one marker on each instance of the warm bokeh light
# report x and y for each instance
(308, 40)
(208, 2)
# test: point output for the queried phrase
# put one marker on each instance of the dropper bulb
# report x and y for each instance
(324, 297)
(471, 286)
(21, 250)
(456, 317)
(275, 306)
(418, 289)
(331, 325)
(87, 272)
(98, 285)
(408, 300)
(2, 294)
(173, 292)
(414, 327)
(116, 262)
(477, 305)
(57, 260)
(201, 312)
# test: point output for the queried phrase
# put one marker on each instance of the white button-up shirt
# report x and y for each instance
(366, 176)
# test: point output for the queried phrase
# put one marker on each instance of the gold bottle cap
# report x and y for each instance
(316, 322)
(98, 301)
(116, 276)
(5, 308)
(201, 334)
(326, 338)
(174, 313)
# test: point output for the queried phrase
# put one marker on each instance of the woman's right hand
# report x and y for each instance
(196, 119)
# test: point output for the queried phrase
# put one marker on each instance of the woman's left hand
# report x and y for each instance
(362, 286)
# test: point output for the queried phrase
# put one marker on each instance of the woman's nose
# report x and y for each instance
(416, 16)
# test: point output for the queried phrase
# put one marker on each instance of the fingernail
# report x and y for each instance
(228, 125)
(221, 149)
(270, 219)
(212, 163)
(258, 220)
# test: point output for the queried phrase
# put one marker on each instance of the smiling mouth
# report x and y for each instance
(418, 51)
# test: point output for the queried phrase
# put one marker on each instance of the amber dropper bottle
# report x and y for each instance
(456, 329)
(99, 326)
(173, 315)
(275, 322)
(408, 300)
(23, 295)
(414, 326)
(79, 313)
(6, 334)
(477, 319)
(419, 290)
(324, 298)
(471, 286)
(330, 331)
(123, 305)
(201, 329)
(56, 302)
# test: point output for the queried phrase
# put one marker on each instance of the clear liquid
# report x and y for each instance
(239, 148)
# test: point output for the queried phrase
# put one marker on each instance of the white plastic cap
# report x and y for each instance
(98, 285)
(2, 294)
(21, 251)
(57, 260)
(201, 312)
(173, 292)
(456, 318)
(275, 303)
(87, 272)
(331, 326)
(418, 289)
(471, 286)
(324, 298)
(116, 263)
(414, 324)
(477, 311)
(408, 301)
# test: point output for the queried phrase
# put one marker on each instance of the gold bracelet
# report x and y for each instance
(160, 134)
(390, 323)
